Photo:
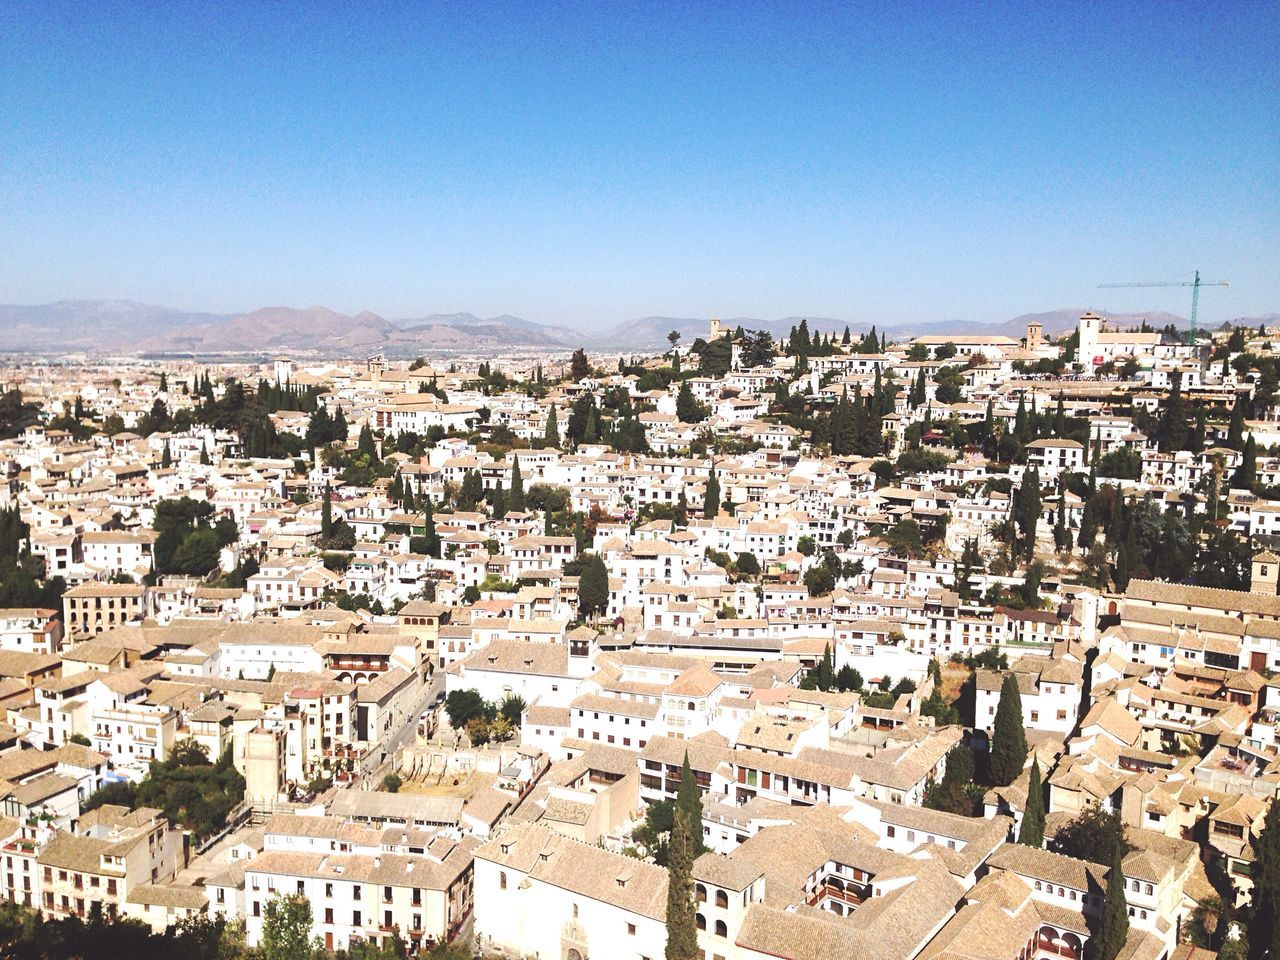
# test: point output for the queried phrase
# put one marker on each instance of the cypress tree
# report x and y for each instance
(711, 498)
(166, 458)
(326, 514)
(366, 445)
(1264, 932)
(1113, 929)
(498, 502)
(689, 804)
(1174, 427)
(682, 510)
(682, 929)
(552, 435)
(1029, 508)
(593, 588)
(432, 535)
(1008, 737)
(204, 455)
(1235, 430)
(826, 670)
(1247, 473)
(515, 499)
(1031, 832)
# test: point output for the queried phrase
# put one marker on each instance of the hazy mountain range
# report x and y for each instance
(119, 325)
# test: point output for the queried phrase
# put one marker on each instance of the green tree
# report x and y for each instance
(1264, 931)
(593, 588)
(825, 670)
(682, 930)
(551, 436)
(1235, 945)
(1029, 509)
(681, 517)
(515, 497)
(462, 706)
(1246, 475)
(1113, 928)
(1009, 736)
(286, 930)
(1031, 833)
(1235, 429)
(689, 805)
(512, 709)
(326, 514)
(579, 366)
(1094, 835)
(432, 535)
(688, 409)
(711, 497)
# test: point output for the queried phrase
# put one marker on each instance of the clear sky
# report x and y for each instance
(589, 163)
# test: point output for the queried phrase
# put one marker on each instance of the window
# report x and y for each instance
(502, 880)
(722, 899)
(722, 929)
(631, 929)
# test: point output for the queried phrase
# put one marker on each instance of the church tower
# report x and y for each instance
(1266, 574)
(1090, 327)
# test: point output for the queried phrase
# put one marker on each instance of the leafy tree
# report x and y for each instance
(512, 709)
(758, 349)
(848, 678)
(463, 706)
(819, 581)
(286, 930)
(1031, 832)
(1235, 946)
(1009, 737)
(747, 564)
(688, 408)
(904, 538)
(1095, 835)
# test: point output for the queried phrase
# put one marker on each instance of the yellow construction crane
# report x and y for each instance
(1195, 286)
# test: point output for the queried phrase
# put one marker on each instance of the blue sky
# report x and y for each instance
(588, 163)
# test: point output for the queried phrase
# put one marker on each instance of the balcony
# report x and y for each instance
(844, 895)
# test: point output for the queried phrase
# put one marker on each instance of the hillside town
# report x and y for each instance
(947, 648)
